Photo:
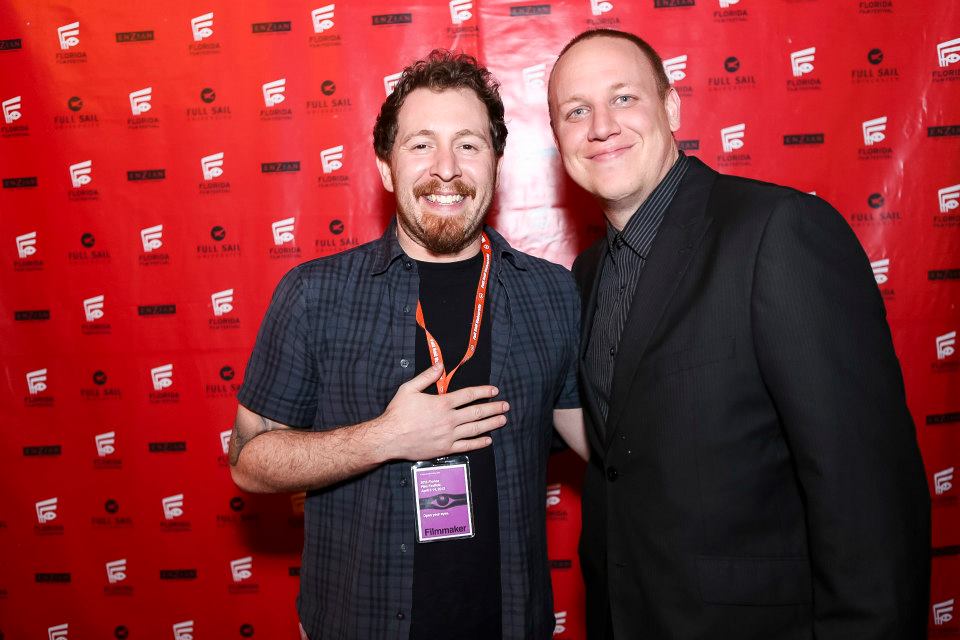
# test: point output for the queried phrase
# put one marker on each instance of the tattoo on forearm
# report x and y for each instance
(243, 435)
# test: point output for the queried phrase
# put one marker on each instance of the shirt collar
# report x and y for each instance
(641, 229)
(388, 249)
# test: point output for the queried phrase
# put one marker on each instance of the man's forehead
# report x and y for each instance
(611, 63)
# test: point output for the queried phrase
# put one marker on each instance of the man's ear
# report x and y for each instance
(386, 176)
(496, 175)
(671, 103)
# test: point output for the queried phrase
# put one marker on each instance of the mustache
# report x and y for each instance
(458, 187)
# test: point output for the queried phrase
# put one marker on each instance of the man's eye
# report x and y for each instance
(623, 99)
(579, 112)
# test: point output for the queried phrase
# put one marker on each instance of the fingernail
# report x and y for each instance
(494, 391)
(506, 406)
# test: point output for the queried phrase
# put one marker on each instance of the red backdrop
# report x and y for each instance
(164, 163)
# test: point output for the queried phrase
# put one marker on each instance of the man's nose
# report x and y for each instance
(603, 124)
(446, 166)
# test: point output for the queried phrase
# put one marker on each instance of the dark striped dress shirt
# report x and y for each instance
(624, 261)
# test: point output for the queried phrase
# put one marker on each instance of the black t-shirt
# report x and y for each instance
(456, 583)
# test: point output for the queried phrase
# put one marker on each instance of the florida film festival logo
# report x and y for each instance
(948, 198)
(69, 35)
(881, 270)
(222, 302)
(80, 174)
(943, 481)
(675, 68)
(105, 443)
(37, 381)
(92, 312)
(26, 245)
(202, 27)
(11, 110)
(390, 81)
(273, 92)
(874, 131)
(948, 52)
(600, 7)
(161, 378)
(58, 632)
(140, 100)
(183, 630)
(942, 612)
(946, 345)
(116, 571)
(152, 238)
(172, 506)
(46, 510)
(534, 83)
(322, 18)
(460, 11)
(211, 167)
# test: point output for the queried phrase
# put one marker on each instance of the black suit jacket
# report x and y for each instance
(760, 475)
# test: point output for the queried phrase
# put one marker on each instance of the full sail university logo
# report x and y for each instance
(73, 118)
(331, 163)
(81, 176)
(140, 104)
(284, 241)
(87, 254)
(211, 168)
(948, 55)
(220, 247)
(100, 390)
(330, 102)
(323, 21)
(208, 108)
(221, 303)
(151, 240)
(676, 70)
(874, 134)
(801, 66)
(948, 201)
(68, 37)
(732, 80)
(274, 94)
(201, 30)
(877, 211)
(875, 71)
(12, 113)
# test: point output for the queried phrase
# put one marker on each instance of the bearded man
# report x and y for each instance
(425, 514)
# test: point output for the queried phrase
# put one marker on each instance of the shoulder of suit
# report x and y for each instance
(734, 196)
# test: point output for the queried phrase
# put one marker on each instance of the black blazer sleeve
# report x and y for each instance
(827, 358)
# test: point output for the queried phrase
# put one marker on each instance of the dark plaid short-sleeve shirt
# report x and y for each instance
(336, 343)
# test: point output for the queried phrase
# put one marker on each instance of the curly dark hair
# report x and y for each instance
(439, 71)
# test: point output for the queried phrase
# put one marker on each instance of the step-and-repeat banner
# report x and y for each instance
(164, 163)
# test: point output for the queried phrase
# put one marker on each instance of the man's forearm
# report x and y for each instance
(284, 459)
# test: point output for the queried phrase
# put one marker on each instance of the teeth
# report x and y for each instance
(444, 199)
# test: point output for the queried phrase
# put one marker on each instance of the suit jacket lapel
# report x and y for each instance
(683, 226)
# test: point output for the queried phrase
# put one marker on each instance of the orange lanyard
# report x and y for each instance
(436, 357)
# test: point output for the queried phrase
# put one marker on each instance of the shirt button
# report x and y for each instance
(404, 363)
(407, 265)
(403, 482)
(406, 308)
(400, 615)
(403, 548)
(613, 351)
(612, 474)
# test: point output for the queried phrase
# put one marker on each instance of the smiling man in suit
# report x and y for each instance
(754, 471)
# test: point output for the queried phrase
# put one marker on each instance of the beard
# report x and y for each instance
(440, 235)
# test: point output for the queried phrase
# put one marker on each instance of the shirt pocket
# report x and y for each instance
(696, 356)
